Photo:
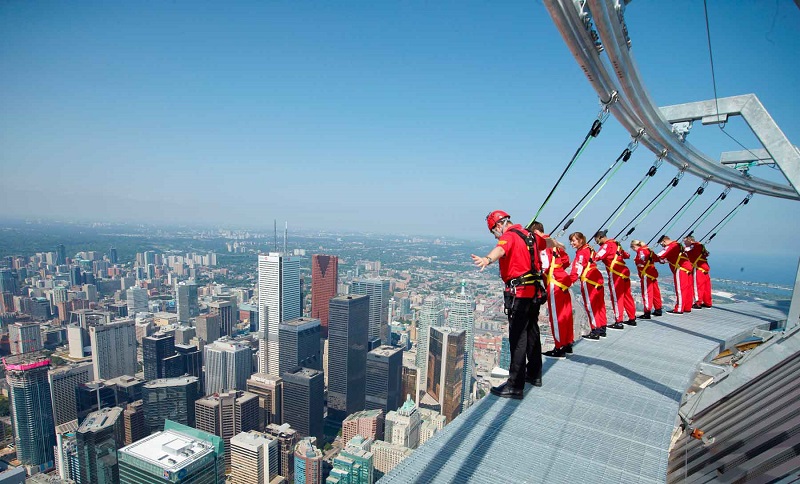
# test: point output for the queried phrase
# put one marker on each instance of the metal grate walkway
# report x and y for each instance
(605, 414)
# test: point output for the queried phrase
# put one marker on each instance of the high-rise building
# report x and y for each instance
(155, 349)
(287, 438)
(186, 301)
(134, 422)
(307, 462)
(8, 282)
(254, 458)
(402, 425)
(462, 317)
(66, 451)
(303, 394)
(170, 398)
(505, 354)
(25, 338)
(410, 376)
(324, 283)
(228, 365)
(177, 454)
(354, 464)
(187, 360)
(378, 292)
(137, 300)
(446, 370)
(366, 423)
(93, 396)
(113, 349)
(432, 314)
(387, 456)
(227, 414)
(207, 326)
(384, 378)
(98, 438)
(75, 276)
(63, 382)
(279, 299)
(299, 341)
(31, 410)
(269, 389)
(347, 355)
(112, 255)
(127, 389)
(226, 310)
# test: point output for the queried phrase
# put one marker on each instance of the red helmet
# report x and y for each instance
(493, 218)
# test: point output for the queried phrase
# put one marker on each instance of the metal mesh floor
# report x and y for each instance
(605, 414)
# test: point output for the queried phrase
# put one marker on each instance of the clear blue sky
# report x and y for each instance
(400, 117)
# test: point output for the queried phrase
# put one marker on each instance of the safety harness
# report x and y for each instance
(588, 267)
(617, 260)
(551, 272)
(700, 258)
(650, 263)
(681, 257)
(535, 274)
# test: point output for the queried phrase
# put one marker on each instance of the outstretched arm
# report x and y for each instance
(493, 255)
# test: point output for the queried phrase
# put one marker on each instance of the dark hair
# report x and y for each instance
(535, 225)
(577, 235)
(600, 234)
(662, 238)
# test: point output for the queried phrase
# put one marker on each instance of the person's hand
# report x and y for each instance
(481, 262)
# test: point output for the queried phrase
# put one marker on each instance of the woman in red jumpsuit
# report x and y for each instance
(681, 271)
(559, 299)
(585, 270)
(648, 274)
(613, 256)
(698, 256)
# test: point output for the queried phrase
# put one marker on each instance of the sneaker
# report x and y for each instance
(568, 349)
(630, 322)
(706, 306)
(616, 326)
(505, 391)
(591, 337)
(672, 311)
(697, 306)
(601, 332)
(644, 316)
(558, 353)
(657, 312)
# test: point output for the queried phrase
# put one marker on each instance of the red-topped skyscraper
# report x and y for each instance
(324, 283)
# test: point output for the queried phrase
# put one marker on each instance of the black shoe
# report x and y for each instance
(559, 353)
(601, 332)
(657, 312)
(631, 322)
(615, 326)
(697, 306)
(568, 349)
(505, 391)
(645, 316)
(591, 336)
(537, 382)
(672, 311)
(706, 306)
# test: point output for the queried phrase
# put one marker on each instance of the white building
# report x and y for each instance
(254, 458)
(378, 292)
(387, 455)
(279, 299)
(24, 338)
(432, 314)
(137, 300)
(462, 317)
(228, 365)
(113, 349)
(402, 426)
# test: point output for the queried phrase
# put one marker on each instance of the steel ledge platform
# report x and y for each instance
(605, 414)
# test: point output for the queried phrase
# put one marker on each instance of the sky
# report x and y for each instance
(404, 117)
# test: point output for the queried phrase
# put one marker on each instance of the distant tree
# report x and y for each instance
(327, 447)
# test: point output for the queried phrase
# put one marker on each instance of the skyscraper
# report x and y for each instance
(112, 255)
(31, 410)
(279, 300)
(378, 292)
(287, 438)
(227, 316)
(113, 349)
(303, 394)
(93, 396)
(410, 378)
(137, 300)
(269, 389)
(63, 382)
(227, 414)
(98, 438)
(169, 398)
(347, 355)
(228, 365)
(384, 378)
(155, 349)
(299, 341)
(324, 284)
(254, 458)
(207, 326)
(186, 301)
(25, 338)
(446, 370)
(462, 317)
(61, 252)
(432, 314)
(134, 422)
(307, 463)
(8, 282)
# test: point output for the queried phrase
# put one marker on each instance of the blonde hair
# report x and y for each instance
(636, 243)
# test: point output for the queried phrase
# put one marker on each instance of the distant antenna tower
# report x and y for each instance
(275, 223)
(463, 287)
(285, 235)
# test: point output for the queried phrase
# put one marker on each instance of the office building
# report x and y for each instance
(287, 438)
(431, 424)
(24, 338)
(113, 349)
(254, 458)
(307, 462)
(134, 424)
(112, 255)
(462, 317)
(354, 464)
(127, 389)
(432, 314)
(155, 349)
(137, 299)
(63, 383)
(66, 451)
(387, 456)
(505, 354)
(31, 410)
(227, 414)
(208, 327)
(186, 301)
(93, 396)
(98, 439)
(299, 341)
(445, 376)
(184, 334)
(228, 365)
(324, 283)
(170, 398)
(279, 300)
(177, 454)
(384, 378)
(226, 311)
(378, 292)
(8, 282)
(366, 423)
(410, 378)
(187, 360)
(402, 425)
(303, 395)
(269, 389)
(347, 355)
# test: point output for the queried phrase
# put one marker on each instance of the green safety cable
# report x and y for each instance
(637, 219)
(690, 229)
(680, 211)
(635, 191)
(727, 218)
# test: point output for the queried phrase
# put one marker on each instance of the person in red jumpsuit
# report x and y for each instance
(681, 272)
(645, 261)
(698, 256)
(584, 269)
(521, 298)
(619, 277)
(559, 298)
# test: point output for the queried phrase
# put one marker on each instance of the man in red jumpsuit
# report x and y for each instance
(645, 261)
(584, 269)
(559, 298)
(681, 272)
(619, 277)
(698, 256)
(522, 301)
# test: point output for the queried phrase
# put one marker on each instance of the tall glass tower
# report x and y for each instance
(462, 317)
(432, 314)
(279, 300)
(378, 292)
(347, 355)
(324, 284)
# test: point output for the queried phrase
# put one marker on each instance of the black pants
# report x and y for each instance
(524, 342)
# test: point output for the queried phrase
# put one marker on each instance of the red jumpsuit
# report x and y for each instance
(645, 264)
(619, 277)
(681, 273)
(559, 299)
(585, 270)
(697, 255)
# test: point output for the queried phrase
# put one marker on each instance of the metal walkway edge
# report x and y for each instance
(605, 414)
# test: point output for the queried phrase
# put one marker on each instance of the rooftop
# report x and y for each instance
(385, 350)
(100, 419)
(169, 450)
